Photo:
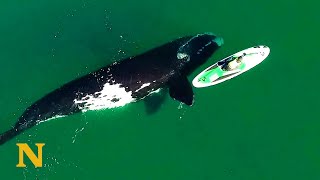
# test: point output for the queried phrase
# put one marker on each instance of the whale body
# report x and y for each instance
(123, 82)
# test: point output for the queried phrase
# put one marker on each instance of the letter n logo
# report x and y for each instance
(36, 160)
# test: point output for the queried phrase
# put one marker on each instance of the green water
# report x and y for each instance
(262, 125)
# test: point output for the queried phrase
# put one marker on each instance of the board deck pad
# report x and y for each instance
(231, 66)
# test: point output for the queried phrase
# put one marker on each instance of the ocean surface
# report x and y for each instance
(262, 125)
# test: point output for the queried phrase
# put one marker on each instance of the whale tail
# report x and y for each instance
(6, 136)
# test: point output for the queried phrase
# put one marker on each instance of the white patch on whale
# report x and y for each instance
(54, 117)
(155, 91)
(111, 96)
(143, 86)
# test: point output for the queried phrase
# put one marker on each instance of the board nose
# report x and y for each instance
(265, 50)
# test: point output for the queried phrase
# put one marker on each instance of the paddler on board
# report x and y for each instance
(229, 65)
(235, 64)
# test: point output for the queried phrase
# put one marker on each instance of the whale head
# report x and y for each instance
(197, 50)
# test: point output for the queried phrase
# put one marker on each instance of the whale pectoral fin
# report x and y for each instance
(180, 89)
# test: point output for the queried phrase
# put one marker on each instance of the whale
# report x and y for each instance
(123, 82)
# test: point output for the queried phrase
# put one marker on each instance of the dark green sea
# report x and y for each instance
(262, 125)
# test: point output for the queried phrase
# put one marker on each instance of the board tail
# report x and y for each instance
(6, 136)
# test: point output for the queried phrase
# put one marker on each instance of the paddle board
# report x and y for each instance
(231, 66)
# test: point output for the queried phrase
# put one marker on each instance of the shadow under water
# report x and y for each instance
(154, 102)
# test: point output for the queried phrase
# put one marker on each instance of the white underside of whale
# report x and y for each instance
(111, 96)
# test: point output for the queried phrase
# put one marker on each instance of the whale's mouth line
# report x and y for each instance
(182, 52)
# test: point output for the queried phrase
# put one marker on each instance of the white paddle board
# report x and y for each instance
(231, 66)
